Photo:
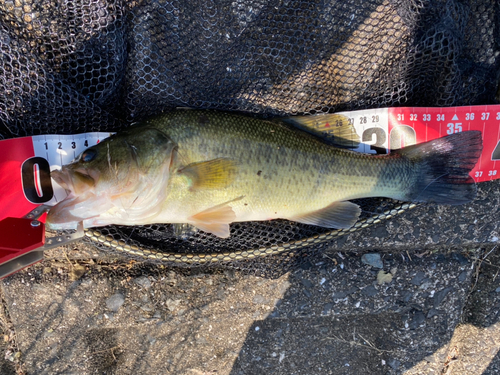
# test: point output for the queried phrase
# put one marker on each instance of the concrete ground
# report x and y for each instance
(419, 294)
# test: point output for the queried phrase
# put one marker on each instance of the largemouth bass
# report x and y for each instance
(210, 169)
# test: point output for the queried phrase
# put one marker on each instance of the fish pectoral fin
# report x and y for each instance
(339, 215)
(215, 219)
(212, 174)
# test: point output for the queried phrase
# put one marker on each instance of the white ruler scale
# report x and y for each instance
(372, 126)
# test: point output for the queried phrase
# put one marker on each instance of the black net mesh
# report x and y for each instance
(75, 66)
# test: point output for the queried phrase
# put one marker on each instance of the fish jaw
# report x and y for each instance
(75, 181)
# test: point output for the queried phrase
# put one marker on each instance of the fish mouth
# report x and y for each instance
(74, 181)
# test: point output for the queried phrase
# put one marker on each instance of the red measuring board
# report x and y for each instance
(25, 165)
(13, 152)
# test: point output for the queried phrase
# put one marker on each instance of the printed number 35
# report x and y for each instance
(454, 128)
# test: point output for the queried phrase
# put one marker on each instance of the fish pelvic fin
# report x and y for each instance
(339, 215)
(215, 219)
(212, 174)
(444, 166)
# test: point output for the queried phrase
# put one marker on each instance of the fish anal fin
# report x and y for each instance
(215, 219)
(218, 214)
(339, 215)
(217, 229)
(211, 174)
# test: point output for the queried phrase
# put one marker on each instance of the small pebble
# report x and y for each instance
(406, 295)
(417, 279)
(143, 281)
(327, 308)
(462, 277)
(173, 304)
(440, 296)
(340, 295)
(110, 317)
(417, 319)
(114, 302)
(307, 283)
(460, 258)
(394, 364)
(147, 308)
(369, 291)
(201, 341)
(344, 293)
(433, 312)
(373, 260)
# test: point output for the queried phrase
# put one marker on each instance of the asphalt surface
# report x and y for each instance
(418, 294)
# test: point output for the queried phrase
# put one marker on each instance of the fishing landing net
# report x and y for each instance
(96, 65)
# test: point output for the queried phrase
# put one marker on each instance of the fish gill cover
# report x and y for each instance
(78, 66)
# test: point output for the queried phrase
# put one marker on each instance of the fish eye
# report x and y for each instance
(88, 155)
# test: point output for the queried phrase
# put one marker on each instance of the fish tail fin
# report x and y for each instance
(445, 164)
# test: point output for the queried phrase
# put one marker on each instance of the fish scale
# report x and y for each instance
(304, 165)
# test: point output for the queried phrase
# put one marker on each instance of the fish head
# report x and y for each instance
(114, 181)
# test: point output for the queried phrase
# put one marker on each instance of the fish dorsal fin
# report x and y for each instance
(334, 128)
(211, 174)
(339, 215)
(215, 219)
